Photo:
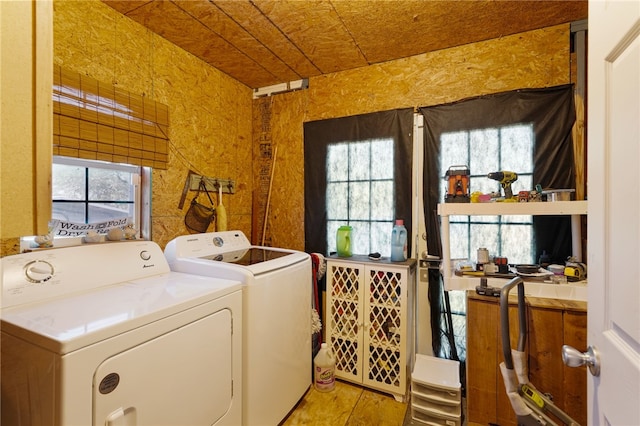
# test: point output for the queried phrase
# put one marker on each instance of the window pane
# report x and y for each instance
(459, 241)
(337, 201)
(359, 161)
(337, 162)
(68, 182)
(382, 159)
(109, 185)
(359, 201)
(517, 243)
(484, 236)
(454, 150)
(517, 148)
(524, 183)
(381, 199)
(484, 147)
(381, 238)
(100, 212)
(360, 237)
(518, 219)
(70, 212)
(485, 219)
(457, 218)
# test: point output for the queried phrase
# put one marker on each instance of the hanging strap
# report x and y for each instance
(203, 187)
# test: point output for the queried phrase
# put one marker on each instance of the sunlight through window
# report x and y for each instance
(490, 150)
(360, 193)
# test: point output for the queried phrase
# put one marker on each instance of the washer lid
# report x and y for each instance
(66, 324)
(250, 256)
(241, 267)
(208, 253)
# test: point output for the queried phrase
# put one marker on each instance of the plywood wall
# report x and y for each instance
(217, 129)
(209, 113)
(25, 168)
(533, 59)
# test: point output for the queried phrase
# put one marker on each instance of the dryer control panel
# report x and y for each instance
(42, 274)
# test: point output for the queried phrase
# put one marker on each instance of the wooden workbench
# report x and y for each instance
(551, 323)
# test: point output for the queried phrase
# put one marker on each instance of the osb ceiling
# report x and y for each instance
(265, 42)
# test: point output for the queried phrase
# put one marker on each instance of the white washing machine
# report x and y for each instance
(106, 334)
(277, 315)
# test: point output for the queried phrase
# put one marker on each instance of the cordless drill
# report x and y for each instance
(506, 179)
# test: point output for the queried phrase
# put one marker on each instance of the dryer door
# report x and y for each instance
(182, 377)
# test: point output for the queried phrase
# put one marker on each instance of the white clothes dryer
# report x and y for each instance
(106, 334)
(276, 307)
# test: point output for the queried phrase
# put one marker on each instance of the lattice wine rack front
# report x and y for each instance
(345, 319)
(385, 326)
(367, 324)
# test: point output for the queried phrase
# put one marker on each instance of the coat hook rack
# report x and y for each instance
(212, 184)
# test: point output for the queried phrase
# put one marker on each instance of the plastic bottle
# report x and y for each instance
(399, 242)
(343, 241)
(324, 368)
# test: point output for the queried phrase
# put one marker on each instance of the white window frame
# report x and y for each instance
(480, 182)
(141, 191)
(375, 225)
(134, 170)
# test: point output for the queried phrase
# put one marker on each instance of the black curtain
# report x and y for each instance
(396, 124)
(552, 112)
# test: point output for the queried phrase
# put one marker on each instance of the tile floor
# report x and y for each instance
(348, 405)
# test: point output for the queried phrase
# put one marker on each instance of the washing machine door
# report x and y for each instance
(179, 378)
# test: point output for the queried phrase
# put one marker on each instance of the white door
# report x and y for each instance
(614, 210)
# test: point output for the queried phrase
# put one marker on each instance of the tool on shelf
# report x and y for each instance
(506, 179)
(485, 290)
(458, 184)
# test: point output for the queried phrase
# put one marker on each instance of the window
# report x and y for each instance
(86, 191)
(484, 151)
(527, 131)
(360, 193)
(358, 171)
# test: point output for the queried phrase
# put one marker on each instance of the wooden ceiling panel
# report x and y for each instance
(169, 21)
(266, 33)
(317, 30)
(125, 6)
(217, 21)
(266, 42)
(386, 33)
(423, 26)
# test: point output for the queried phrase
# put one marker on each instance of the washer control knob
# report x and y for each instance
(145, 255)
(38, 271)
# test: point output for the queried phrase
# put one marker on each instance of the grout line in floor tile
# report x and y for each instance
(353, 409)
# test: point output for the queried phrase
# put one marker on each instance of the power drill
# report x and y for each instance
(506, 179)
